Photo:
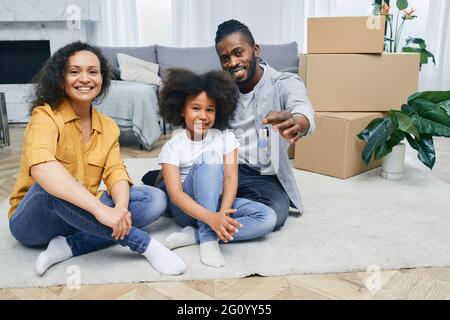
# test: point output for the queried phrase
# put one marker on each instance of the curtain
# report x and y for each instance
(271, 22)
(118, 25)
(438, 42)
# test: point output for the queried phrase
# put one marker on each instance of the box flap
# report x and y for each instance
(363, 34)
(303, 63)
(348, 115)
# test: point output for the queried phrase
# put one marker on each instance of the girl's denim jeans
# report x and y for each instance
(204, 184)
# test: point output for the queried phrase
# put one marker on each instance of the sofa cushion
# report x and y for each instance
(138, 70)
(282, 57)
(197, 59)
(147, 53)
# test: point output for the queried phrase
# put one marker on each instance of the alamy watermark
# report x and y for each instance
(373, 282)
(74, 17)
(74, 279)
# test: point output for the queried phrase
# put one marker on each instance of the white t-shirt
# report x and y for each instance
(246, 129)
(181, 151)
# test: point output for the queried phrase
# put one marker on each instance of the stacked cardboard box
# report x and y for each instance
(350, 81)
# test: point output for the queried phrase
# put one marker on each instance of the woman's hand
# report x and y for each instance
(118, 219)
(223, 225)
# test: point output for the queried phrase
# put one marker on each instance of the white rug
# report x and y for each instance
(348, 225)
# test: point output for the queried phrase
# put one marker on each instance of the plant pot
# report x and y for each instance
(394, 163)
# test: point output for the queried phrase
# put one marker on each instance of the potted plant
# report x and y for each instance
(395, 29)
(425, 115)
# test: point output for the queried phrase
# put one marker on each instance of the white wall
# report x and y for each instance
(354, 7)
(155, 18)
(154, 22)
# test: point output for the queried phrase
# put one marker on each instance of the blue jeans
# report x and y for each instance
(265, 189)
(41, 217)
(204, 184)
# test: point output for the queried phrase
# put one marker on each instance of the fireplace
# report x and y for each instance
(21, 60)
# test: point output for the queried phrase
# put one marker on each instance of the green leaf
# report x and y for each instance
(384, 149)
(435, 97)
(411, 50)
(430, 119)
(425, 149)
(445, 105)
(402, 4)
(432, 57)
(429, 126)
(396, 137)
(368, 131)
(419, 41)
(426, 115)
(406, 108)
(424, 53)
(376, 134)
(404, 123)
(423, 58)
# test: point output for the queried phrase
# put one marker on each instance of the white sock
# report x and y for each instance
(57, 250)
(164, 260)
(211, 255)
(186, 237)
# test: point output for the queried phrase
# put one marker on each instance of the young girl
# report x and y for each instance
(68, 149)
(200, 169)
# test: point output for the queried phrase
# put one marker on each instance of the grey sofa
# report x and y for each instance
(134, 106)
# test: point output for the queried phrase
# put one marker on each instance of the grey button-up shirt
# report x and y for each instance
(277, 91)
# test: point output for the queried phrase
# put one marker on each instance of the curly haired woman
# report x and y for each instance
(68, 149)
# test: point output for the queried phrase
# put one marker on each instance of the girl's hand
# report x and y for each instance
(118, 219)
(223, 225)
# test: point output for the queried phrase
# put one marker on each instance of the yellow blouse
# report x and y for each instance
(56, 135)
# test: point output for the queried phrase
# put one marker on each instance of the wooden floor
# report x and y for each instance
(430, 283)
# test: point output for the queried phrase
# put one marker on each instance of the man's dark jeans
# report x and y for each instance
(266, 189)
(252, 185)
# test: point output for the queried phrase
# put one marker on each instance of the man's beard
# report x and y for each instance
(251, 73)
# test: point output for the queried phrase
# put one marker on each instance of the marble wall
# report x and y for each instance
(48, 10)
(60, 21)
(55, 31)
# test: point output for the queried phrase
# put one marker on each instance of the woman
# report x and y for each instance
(68, 149)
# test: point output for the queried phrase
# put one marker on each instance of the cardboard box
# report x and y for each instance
(334, 149)
(346, 34)
(359, 82)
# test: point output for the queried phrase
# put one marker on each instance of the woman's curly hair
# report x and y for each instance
(49, 81)
(180, 84)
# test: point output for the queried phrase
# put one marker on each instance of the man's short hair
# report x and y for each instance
(232, 26)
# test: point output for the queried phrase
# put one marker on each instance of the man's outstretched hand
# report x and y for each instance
(290, 126)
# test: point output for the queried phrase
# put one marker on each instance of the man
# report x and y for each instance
(266, 97)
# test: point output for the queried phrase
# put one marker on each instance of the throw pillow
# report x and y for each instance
(137, 70)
